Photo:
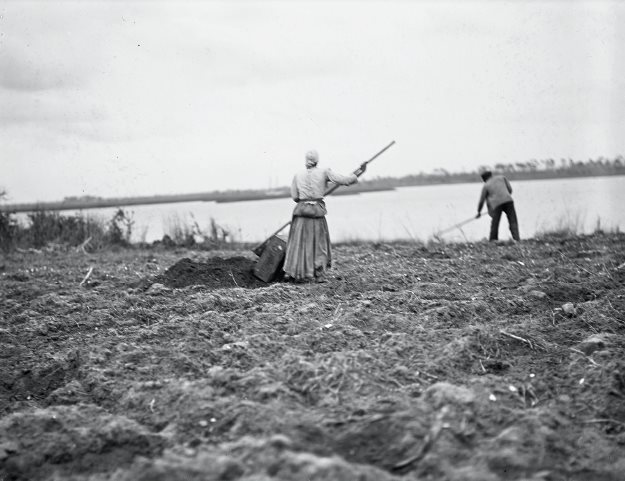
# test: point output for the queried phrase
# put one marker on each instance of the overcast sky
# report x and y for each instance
(133, 98)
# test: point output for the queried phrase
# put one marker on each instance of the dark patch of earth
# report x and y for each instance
(216, 272)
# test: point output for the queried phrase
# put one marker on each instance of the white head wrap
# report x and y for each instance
(312, 158)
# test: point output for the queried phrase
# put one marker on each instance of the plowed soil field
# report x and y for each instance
(456, 362)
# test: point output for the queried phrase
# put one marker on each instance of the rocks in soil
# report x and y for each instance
(443, 393)
(8, 448)
(71, 393)
(518, 449)
(593, 343)
(569, 309)
(157, 288)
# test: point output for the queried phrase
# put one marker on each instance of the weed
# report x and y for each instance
(8, 230)
(42, 228)
(182, 233)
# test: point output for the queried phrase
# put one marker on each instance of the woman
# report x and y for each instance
(308, 251)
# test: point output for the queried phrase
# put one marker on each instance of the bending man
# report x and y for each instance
(496, 193)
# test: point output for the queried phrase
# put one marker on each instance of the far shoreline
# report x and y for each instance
(375, 185)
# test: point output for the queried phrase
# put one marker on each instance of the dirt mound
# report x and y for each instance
(267, 459)
(35, 379)
(215, 272)
(70, 440)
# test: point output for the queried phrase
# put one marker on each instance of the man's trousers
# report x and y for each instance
(508, 208)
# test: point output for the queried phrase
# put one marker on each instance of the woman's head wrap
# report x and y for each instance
(312, 158)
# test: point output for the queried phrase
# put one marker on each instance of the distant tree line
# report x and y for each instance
(532, 169)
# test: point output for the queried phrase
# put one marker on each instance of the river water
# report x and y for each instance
(582, 204)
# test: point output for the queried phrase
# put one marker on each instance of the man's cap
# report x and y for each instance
(486, 174)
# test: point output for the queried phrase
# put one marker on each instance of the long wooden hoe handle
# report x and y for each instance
(455, 226)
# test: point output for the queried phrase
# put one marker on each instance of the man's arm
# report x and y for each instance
(508, 186)
(481, 202)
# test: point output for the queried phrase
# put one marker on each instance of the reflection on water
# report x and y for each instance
(407, 212)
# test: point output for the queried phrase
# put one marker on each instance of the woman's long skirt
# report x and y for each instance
(308, 250)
